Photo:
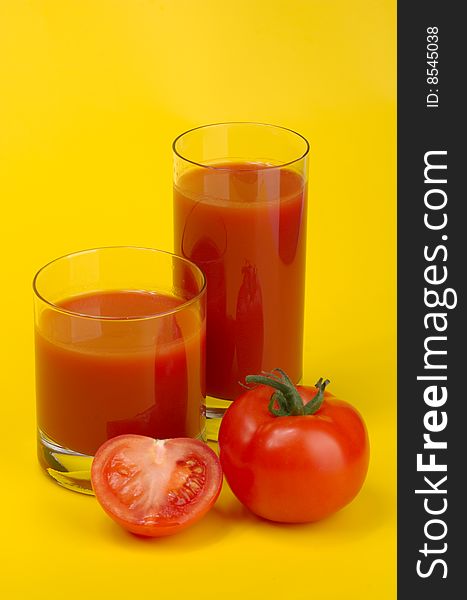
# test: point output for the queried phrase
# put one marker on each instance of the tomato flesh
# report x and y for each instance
(155, 487)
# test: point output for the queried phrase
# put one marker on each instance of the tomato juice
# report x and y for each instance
(244, 224)
(117, 362)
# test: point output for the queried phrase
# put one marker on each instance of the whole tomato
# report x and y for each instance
(292, 454)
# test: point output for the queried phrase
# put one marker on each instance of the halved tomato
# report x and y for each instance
(155, 487)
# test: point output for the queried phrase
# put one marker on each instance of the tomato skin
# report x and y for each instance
(293, 469)
(141, 483)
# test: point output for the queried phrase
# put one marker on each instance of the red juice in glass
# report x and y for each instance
(243, 224)
(117, 361)
(130, 376)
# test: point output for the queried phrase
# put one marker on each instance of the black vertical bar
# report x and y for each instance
(431, 127)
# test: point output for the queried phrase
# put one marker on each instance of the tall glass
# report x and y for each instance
(240, 201)
(120, 348)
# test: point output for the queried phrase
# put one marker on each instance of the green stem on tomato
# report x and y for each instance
(315, 403)
(286, 396)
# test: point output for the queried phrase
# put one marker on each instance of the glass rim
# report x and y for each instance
(175, 310)
(255, 123)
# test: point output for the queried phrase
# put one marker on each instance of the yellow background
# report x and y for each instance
(92, 92)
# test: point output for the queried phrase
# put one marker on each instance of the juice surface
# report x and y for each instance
(243, 224)
(121, 373)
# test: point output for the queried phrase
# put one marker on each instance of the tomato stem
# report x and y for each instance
(315, 403)
(286, 400)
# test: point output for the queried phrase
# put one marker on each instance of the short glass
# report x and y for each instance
(120, 348)
(240, 205)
